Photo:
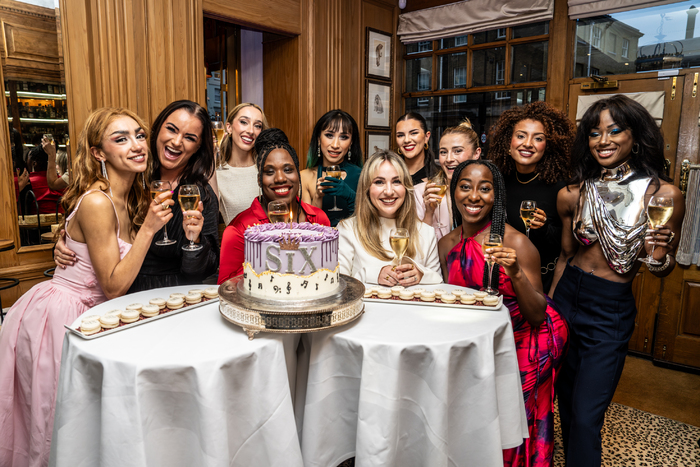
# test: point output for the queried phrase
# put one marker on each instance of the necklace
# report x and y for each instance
(525, 183)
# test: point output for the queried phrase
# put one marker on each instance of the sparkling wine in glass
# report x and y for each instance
(219, 132)
(659, 211)
(398, 239)
(158, 187)
(188, 196)
(491, 240)
(442, 190)
(528, 208)
(336, 172)
(278, 211)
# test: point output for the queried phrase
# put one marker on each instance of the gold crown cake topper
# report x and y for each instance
(289, 243)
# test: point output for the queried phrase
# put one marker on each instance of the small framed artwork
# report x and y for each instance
(378, 106)
(379, 54)
(376, 141)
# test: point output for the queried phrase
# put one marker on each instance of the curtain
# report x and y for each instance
(652, 101)
(470, 16)
(689, 247)
(587, 8)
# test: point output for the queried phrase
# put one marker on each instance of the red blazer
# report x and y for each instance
(232, 242)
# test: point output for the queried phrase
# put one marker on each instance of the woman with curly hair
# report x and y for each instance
(530, 145)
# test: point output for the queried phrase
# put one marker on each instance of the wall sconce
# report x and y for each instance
(402, 4)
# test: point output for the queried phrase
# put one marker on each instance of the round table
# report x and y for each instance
(412, 385)
(189, 389)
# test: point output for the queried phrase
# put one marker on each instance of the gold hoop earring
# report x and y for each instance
(633, 147)
(426, 146)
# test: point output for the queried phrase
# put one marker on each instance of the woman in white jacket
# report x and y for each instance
(384, 202)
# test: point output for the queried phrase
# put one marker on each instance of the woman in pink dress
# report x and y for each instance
(110, 217)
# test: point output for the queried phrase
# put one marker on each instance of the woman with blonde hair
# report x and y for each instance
(108, 216)
(457, 144)
(385, 202)
(237, 184)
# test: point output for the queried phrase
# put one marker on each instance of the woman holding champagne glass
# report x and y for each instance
(279, 182)
(530, 145)
(110, 224)
(385, 220)
(184, 150)
(485, 252)
(618, 183)
(458, 144)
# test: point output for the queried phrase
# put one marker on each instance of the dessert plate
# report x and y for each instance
(437, 302)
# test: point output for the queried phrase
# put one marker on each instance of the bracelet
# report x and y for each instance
(663, 267)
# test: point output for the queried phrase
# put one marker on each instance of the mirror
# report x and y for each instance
(35, 98)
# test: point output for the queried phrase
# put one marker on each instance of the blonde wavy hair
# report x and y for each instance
(226, 143)
(367, 224)
(87, 170)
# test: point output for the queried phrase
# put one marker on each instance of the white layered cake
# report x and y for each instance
(291, 261)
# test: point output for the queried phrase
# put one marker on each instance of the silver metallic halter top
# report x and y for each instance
(611, 210)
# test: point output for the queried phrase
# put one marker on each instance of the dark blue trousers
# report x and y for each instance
(600, 314)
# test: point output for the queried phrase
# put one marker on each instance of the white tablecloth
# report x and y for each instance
(413, 386)
(186, 390)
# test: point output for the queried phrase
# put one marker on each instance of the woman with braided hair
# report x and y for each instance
(478, 202)
(279, 180)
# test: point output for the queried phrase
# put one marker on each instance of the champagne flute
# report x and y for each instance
(336, 172)
(528, 208)
(491, 240)
(398, 239)
(442, 190)
(188, 197)
(158, 187)
(219, 132)
(277, 211)
(659, 211)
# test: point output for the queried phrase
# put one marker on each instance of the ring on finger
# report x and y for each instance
(671, 237)
(164, 206)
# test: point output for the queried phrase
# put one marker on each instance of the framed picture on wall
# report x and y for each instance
(376, 141)
(379, 53)
(378, 106)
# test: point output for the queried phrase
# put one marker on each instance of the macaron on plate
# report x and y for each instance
(431, 295)
(140, 308)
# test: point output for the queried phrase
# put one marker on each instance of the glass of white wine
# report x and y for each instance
(188, 197)
(158, 187)
(398, 239)
(219, 132)
(528, 208)
(491, 240)
(336, 172)
(277, 211)
(659, 211)
(442, 190)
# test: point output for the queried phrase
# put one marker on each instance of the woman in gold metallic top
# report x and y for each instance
(617, 162)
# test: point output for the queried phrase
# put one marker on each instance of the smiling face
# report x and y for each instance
(280, 179)
(610, 144)
(334, 144)
(124, 146)
(386, 192)
(179, 137)
(245, 127)
(411, 138)
(455, 149)
(527, 145)
(474, 194)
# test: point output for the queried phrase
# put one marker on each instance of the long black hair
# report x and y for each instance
(266, 142)
(498, 213)
(335, 120)
(628, 115)
(200, 167)
(431, 168)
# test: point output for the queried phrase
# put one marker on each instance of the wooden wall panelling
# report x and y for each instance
(560, 43)
(279, 16)
(8, 202)
(646, 290)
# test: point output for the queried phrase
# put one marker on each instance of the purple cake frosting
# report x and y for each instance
(305, 232)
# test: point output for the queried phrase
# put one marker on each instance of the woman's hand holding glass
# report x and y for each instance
(192, 218)
(158, 214)
(539, 218)
(405, 274)
(507, 258)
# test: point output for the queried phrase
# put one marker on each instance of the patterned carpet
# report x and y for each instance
(632, 438)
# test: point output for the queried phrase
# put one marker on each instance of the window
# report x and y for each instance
(597, 33)
(423, 81)
(460, 76)
(625, 48)
(461, 40)
(612, 44)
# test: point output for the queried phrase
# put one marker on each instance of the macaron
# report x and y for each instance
(480, 296)
(159, 302)
(211, 292)
(129, 316)
(90, 326)
(89, 318)
(406, 294)
(368, 293)
(396, 290)
(177, 295)
(109, 321)
(134, 306)
(467, 299)
(458, 292)
(418, 290)
(384, 292)
(199, 291)
(427, 296)
(149, 311)
(175, 303)
(448, 298)
(439, 293)
(192, 298)
(491, 300)
(375, 289)
(117, 313)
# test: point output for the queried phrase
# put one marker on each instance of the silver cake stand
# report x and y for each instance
(290, 316)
